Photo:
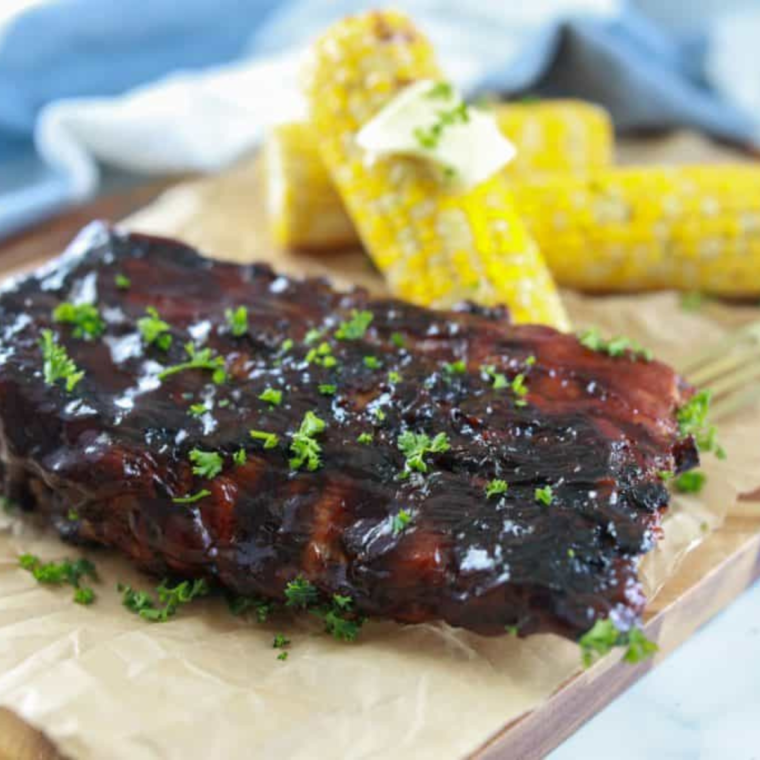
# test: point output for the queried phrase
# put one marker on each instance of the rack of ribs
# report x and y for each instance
(431, 465)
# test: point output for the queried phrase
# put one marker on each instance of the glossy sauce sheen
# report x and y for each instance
(116, 449)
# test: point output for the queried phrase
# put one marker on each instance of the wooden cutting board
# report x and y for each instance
(710, 577)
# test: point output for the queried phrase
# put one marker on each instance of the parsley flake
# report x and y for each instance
(498, 379)
(122, 282)
(415, 446)
(84, 316)
(60, 573)
(198, 410)
(321, 355)
(398, 340)
(455, 368)
(313, 335)
(496, 488)
(206, 464)
(199, 359)
(57, 364)
(615, 347)
(327, 389)
(400, 521)
(356, 327)
(300, 593)
(154, 330)
(271, 396)
(372, 362)
(239, 457)
(394, 377)
(237, 320)
(520, 390)
(241, 605)
(442, 90)
(692, 420)
(270, 440)
(280, 641)
(365, 438)
(169, 600)
(690, 482)
(604, 636)
(192, 498)
(304, 446)
(544, 495)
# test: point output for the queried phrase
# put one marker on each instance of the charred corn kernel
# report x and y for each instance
(305, 209)
(435, 245)
(683, 227)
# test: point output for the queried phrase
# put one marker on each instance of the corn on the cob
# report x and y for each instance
(556, 136)
(305, 209)
(434, 244)
(682, 227)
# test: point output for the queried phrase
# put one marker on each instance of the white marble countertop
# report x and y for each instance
(702, 702)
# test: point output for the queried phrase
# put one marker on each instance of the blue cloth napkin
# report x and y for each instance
(646, 76)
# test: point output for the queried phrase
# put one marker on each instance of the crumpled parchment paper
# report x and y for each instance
(103, 683)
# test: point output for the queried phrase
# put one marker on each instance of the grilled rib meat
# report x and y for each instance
(115, 450)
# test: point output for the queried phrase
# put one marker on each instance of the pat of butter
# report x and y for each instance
(429, 120)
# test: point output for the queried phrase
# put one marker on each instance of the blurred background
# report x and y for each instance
(99, 92)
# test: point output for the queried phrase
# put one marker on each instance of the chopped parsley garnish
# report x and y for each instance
(356, 327)
(72, 515)
(84, 595)
(240, 605)
(339, 619)
(304, 446)
(271, 396)
(394, 377)
(400, 521)
(169, 600)
(604, 636)
(321, 355)
(328, 389)
(313, 335)
(237, 320)
(414, 446)
(690, 482)
(122, 282)
(199, 359)
(57, 364)
(300, 593)
(379, 414)
(429, 137)
(192, 498)
(455, 368)
(442, 90)
(280, 641)
(270, 440)
(665, 475)
(198, 410)
(283, 656)
(372, 362)
(498, 379)
(154, 330)
(615, 347)
(365, 438)
(206, 464)
(63, 572)
(692, 420)
(520, 390)
(496, 488)
(544, 495)
(239, 457)
(398, 340)
(285, 346)
(84, 316)
(530, 361)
